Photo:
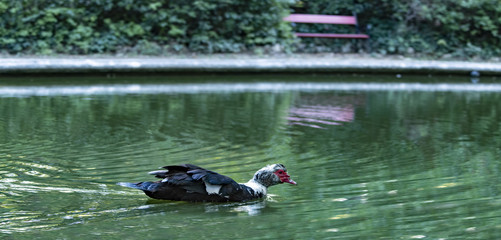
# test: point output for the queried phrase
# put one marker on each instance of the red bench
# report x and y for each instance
(326, 19)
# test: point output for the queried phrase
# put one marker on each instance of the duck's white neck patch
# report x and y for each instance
(212, 189)
(259, 189)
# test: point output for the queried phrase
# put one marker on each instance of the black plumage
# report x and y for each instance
(188, 182)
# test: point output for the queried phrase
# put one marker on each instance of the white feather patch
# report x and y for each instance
(212, 189)
(257, 187)
(158, 172)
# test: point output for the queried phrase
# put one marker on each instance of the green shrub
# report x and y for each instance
(452, 28)
(461, 28)
(97, 26)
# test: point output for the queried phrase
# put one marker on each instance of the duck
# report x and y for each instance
(188, 182)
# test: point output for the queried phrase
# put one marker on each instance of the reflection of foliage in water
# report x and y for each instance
(411, 154)
(117, 118)
(408, 164)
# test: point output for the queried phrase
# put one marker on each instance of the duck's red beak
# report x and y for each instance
(288, 180)
(284, 177)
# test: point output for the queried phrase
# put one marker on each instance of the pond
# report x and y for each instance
(374, 157)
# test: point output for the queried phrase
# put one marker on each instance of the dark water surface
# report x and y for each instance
(385, 160)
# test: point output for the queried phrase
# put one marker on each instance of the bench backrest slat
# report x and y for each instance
(313, 18)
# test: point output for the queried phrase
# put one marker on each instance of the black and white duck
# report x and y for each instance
(188, 182)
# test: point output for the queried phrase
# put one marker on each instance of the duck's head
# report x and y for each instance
(272, 175)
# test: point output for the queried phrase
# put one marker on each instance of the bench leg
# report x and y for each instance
(368, 46)
(364, 44)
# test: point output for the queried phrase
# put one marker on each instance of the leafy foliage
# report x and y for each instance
(81, 27)
(458, 28)
(445, 28)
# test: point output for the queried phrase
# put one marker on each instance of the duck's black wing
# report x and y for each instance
(188, 182)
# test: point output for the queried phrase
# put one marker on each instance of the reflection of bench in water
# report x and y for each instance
(310, 116)
(321, 110)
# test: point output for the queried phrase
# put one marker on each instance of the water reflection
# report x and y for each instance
(371, 164)
(314, 111)
(251, 208)
(309, 115)
(108, 89)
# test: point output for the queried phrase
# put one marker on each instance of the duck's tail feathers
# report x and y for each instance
(145, 186)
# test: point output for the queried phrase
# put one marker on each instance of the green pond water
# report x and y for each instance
(381, 160)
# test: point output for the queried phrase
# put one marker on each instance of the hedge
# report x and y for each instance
(461, 28)
(103, 26)
(419, 27)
